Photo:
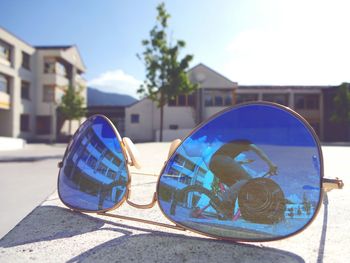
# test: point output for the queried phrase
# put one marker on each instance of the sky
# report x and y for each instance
(252, 42)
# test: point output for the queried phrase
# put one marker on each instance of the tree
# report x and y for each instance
(341, 112)
(306, 205)
(166, 73)
(72, 106)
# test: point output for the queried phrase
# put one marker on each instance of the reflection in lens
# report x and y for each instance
(94, 174)
(251, 173)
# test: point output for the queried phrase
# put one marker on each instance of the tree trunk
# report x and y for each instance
(161, 116)
(69, 128)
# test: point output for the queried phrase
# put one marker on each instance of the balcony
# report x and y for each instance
(4, 101)
(51, 78)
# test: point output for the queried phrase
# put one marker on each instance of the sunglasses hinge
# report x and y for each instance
(330, 184)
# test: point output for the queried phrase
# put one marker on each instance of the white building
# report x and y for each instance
(216, 92)
(32, 82)
(142, 119)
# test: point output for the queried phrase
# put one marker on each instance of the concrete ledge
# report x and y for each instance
(7, 143)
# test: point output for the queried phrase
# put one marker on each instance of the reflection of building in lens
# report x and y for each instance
(182, 172)
(95, 169)
(302, 209)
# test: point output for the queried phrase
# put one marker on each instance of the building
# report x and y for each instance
(215, 93)
(32, 82)
(111, 105)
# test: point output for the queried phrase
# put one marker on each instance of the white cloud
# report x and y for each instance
(116, 81)
(309, 45)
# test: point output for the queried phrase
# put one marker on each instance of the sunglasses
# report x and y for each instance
(253, 172)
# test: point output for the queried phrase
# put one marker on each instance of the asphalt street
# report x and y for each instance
(27, 178)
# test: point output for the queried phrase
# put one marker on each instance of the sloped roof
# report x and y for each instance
(209, 78)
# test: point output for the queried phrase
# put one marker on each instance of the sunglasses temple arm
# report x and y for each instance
(330, 184)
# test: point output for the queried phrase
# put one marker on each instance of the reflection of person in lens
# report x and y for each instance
(227, 169)
(230, 172)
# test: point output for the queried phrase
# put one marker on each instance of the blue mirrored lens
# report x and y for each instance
(251, 173)
(94, 176)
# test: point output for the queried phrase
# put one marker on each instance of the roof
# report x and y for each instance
(54, 47)
(209, 78)
(279, 87)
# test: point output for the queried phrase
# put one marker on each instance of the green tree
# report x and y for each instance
(72, 105)
(306, 204)
(166, 73)
(341, 112)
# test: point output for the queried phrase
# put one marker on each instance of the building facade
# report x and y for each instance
(32, 82)
(215, 93)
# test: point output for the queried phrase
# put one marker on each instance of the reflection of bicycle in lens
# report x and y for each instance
(260, 200)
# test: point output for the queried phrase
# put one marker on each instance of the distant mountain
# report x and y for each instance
(99, 98)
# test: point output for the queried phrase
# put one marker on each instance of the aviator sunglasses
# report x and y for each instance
(252, 172)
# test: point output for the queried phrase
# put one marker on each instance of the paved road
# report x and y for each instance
(27, 178)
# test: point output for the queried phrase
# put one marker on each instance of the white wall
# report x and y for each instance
(11, 143)
(142, 131)
(146, 129)
(170, 135)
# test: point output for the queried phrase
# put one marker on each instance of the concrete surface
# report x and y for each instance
(27, 178)
(53, 233)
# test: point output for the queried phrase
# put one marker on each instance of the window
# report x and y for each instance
(182, 100)
(246, 97)
(172, 102)
(25, 60)
(24, 123)
(316, 127)
(135, 118)
(112, 174)
(49, 65)
(102, 169)
(217, 98)
(190, 100)
(5, 52)
(184, 162)
(173, 127)
(52, 66)
(208, 100)
(92, 161)
(307, 101)
(49, 93)
(4, 84)
(277, 98)
(25, 90)
(43, 125)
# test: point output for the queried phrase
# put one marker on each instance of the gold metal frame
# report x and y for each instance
(326, 184)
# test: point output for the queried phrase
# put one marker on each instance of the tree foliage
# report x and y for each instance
(166, 75)
(72, 105)
(341, 112)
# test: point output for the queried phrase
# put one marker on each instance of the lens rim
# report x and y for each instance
(67, 151)
(237, 106)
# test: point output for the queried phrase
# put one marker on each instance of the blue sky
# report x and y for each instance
(264, 42)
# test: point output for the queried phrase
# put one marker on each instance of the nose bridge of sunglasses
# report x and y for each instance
(132, 152)
(173, 146)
